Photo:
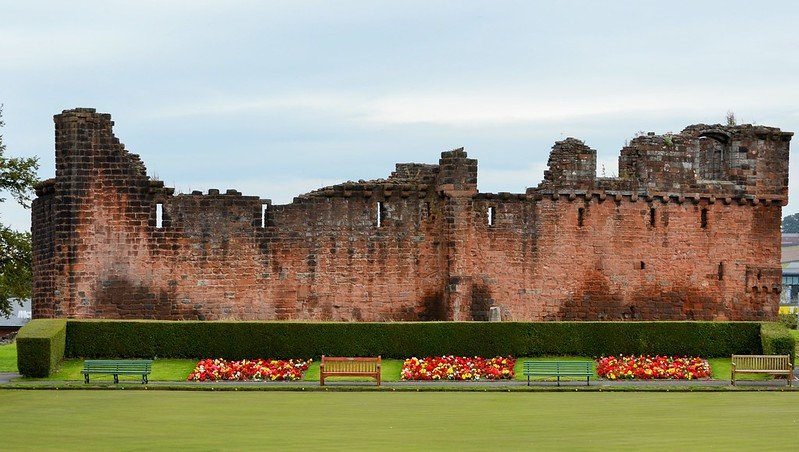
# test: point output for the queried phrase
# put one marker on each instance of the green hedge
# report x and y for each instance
(791, 321)
(777, 340)
(40, 346)
(193, 339)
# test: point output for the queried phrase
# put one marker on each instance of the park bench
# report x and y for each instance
(762, 364)
(558, 369)
(349, 367)
(116, 368)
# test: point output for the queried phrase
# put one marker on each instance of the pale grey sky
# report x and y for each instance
(278, 98)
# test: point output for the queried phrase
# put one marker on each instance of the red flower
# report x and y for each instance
(246, 370)
(652, 367)
(458, 368)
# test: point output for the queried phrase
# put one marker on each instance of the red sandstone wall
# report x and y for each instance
(562, 271)
(98, 252)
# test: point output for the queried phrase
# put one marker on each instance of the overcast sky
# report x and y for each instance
(278, 98)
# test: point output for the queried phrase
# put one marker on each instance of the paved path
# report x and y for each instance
(657, 385)
(6, 377)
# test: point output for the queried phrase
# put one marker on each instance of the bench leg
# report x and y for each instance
(116, 378)
(558, 380)
(321, 379)
(732, 378)
(86, 378)
(528, 380)
(378, 379)
(144, 379)
(588, 381)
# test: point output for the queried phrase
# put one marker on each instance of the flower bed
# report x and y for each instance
(652, 367)
(249, 370)
(458, 368)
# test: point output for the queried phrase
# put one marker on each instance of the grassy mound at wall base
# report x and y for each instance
(40, 346)
(235, 340)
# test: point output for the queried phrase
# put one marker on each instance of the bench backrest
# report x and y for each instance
(344, 364)
(761, 362)
(108, 365)
(558, 366)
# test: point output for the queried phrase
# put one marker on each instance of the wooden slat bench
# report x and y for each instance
(349, 367)
(762, 364)
(558, 369)
(117, 367)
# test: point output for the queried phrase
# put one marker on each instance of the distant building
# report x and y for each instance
(789, 299)
(20, 315)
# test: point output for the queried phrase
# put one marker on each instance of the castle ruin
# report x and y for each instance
(689, 230)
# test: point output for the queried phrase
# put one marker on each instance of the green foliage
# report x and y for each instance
(789, 320)
(236, 340)
(17, 177)
(730, 119)
(15, 268)
(790, 224)
(777, 340)
(40, 346)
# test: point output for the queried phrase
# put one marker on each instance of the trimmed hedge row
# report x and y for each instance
(40, 346)
(777, 340)
(236, 340)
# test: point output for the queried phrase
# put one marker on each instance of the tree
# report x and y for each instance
(17, 177)
(790, 223)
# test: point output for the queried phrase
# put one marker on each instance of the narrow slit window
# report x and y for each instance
(159, 215)
(642, 265)
(703, 219)
(264, 209)
(490, 216)
(652, 217)
(379, 214)
(721, 271)
(580, 216)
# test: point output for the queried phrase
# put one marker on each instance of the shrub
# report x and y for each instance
(40, 346)
(777, 340)
(789, 320)
(238, 340)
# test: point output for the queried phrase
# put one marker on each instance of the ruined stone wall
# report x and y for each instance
(689, 230)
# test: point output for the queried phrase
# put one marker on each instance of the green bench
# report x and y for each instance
(558, 369)
(117, 367)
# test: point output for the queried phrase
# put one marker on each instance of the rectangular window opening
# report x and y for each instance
(721, 271)
(703, 219)
(642, 265)
(159, 215)
(264, 209)
(580, 216)
(490, 215)
(652, 217)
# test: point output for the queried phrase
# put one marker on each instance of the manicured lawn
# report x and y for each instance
(164, 420)
(8, 357)
(163, 370)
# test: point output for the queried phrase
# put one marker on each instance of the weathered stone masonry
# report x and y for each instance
(689, 230)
